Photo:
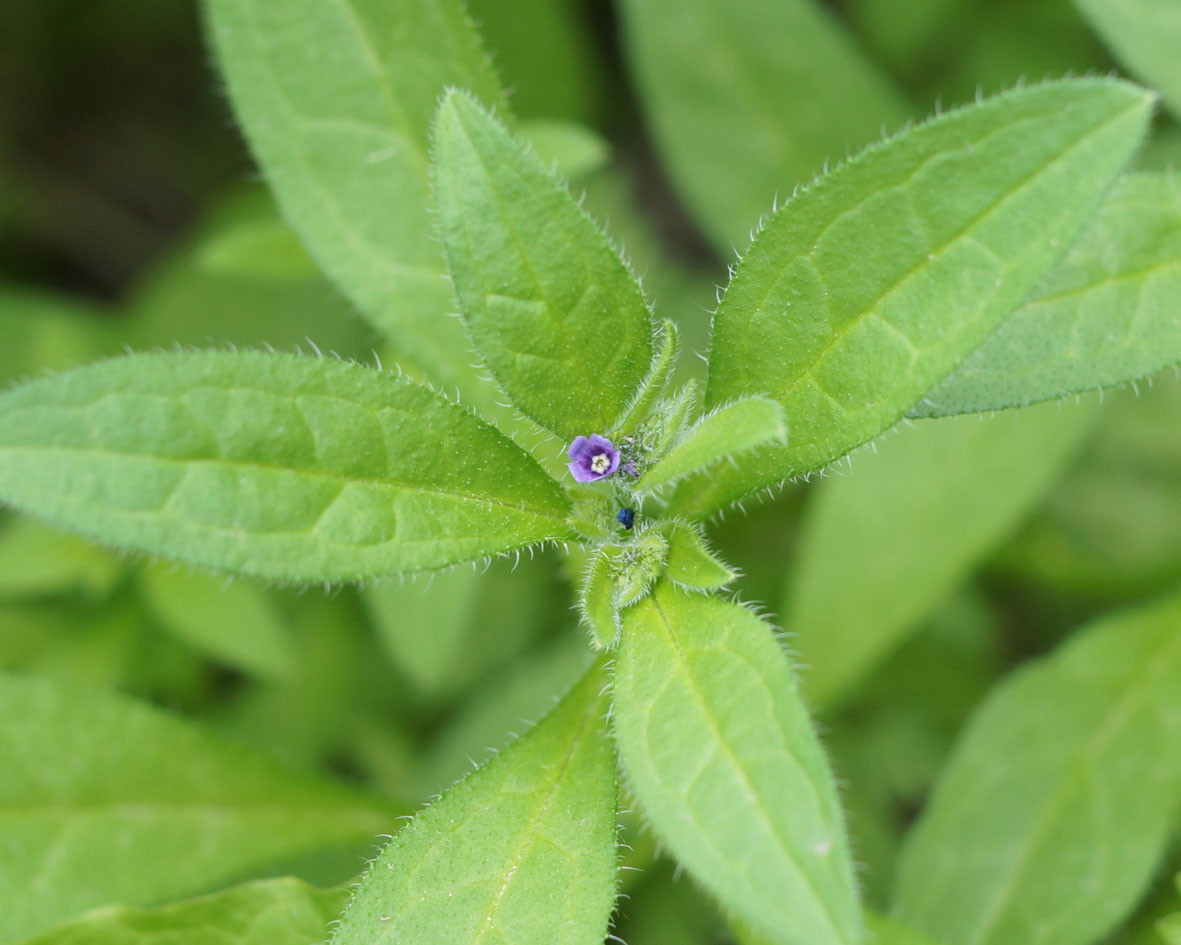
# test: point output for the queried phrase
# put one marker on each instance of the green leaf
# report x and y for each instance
(267, 912)
(866, 289)
(1107, 315)
(36, 560)
(887, 931)
(1051, 815)
(555, 314)
(521, 851)
(664, 364)
(690, 562)
(735, 428)
(336, 101)
(885, 543)
(45, 331)
(462, 623)
(600, 614)
(1170, 927)
(749, 99)
(271, 465)
(499, 708)
(104, 800)
(572, 150)
(1145, 36)
(720, 752)
(234, 622)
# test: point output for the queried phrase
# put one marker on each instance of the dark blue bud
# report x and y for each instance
(627, 517)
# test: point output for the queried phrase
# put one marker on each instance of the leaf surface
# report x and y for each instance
(1050, 817)
(1108, 314)
(748, 99)
(552, 309)
(866, 289)
(268, 912)
(720, 752)
(104, 800)
(522, 851)
(271, 465)
(884, 543)
(729, 430)
(336, 99)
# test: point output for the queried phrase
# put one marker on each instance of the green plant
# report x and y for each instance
(997, 255)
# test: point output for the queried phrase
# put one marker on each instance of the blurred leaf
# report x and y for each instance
(887, 931)
(235, 622)
(885, 543)
(504, 705)
(36, 560)
(951, 225)
(445, 633)
(1144, 35)
(554, 312)
(242, 279)
(720, 752)
(1170, 928)
(547, 55)
(521, 851)
(569, 149)
(1107, 315)
(1111, 528)
(270, 465)
(1053, 811)
(336, 101)
(268, 912)
(45, 331)
(749, 100)
(105, 800)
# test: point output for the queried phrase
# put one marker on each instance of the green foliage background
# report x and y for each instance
(985, 610)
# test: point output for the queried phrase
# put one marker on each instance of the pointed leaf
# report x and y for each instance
(691, 563)
(268, 912)
(105, 800)
(1051, 815)
(722, 434)
(749, 99)
(336, 101)
(552, 309)
(597, 605)
(272, 465)
(664, 363)
(885, 543)
(721, 754)
(1145, 36)
(1107, 315)
(867, 288)
(521, 851)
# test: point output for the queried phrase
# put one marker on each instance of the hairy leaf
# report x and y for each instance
(1048, 821)
(267, 912)
(336, 100)
(1144, 35)
(871, 285)
(104, 800)
(749, 99)
(271, 465)
(600, 614)
(1107, 315)
(552, 309)
(883, 544)
(691, 563)
(719, 750)
(735, 428)
(521, 851)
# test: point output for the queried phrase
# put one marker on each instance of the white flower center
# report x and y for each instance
(601, 463)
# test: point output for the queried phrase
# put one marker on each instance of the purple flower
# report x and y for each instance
(592, 458)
